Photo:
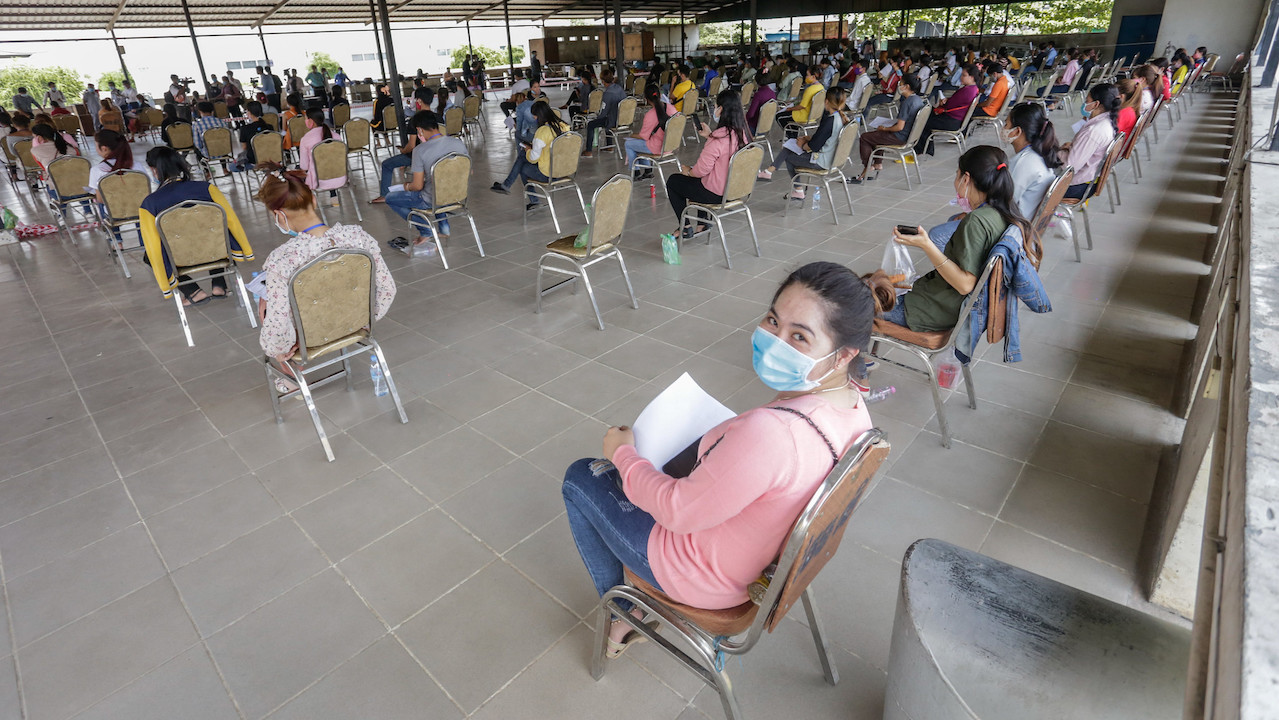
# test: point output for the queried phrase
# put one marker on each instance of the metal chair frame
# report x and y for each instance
(115, 224)
(362, 149)
(976, 122)
(831, 504)
(815, 109)
(956, 137)
(594, 101)
(745, 161)
(231, 268)
(926, 355)
(557, 181)
(471, 117)
(670, 146)
(596, 250)
(425, 219)
(346, 182)
(301, 364)
(59, 203)
(207, 160)
(767, 120)
(618, 133)
(1066, 209)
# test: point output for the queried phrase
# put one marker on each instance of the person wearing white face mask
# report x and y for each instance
(984, 191)
(291, 205)
(705, 525)
(1087, 150)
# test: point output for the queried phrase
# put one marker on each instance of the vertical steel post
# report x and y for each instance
(266, 56)
(620, 73)
(120, 54)
(510, 49)
(981, 29)
(377, 38)
(608, 43)
(394, 73)
(204, 78)
(470, 47)
(755, 27)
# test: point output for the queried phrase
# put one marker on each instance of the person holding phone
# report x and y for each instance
(984, 190)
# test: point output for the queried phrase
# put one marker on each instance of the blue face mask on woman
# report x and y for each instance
(782, 367)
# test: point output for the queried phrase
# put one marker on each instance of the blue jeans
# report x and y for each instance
(530, 171)
(405, 201)
(388, 171)
(897, 315)
(942, 234)
(634, 146)
(517, 169)
(610, 532)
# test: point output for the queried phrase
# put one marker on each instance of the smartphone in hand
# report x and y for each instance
(908, 229)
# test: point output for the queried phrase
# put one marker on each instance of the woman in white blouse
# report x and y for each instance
(1035, 155)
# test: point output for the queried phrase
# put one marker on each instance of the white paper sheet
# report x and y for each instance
(793, 145)
(680, 414)
(880, 122)
(257, 286)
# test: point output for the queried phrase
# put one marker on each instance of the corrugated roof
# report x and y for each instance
(99, 15)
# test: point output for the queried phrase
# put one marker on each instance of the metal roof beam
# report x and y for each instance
(269, 13)
(487, 8)
(118, 9)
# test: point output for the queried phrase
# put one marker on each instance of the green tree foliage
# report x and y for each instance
(115, 76)
(1027, 18)
(726, 33)
(322, 61)
(492, 58)
(36, 81)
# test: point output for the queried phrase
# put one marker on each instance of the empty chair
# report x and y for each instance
(272, 120)
(706, 637)
(670, 145)
(743, 170)
(122, 194)
(767, 116)
(332, 300)
(455, 122)
(450, 177)
(625, 119)
(907, 149)
(193, 238)
(566, 151)
(471, 113)
(359, 138)
(328, 159)
(68, 177)
(182, 139)
(605, 224)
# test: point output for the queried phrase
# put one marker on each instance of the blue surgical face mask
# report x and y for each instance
(782, 367)
(1083, 110)
(285, 231)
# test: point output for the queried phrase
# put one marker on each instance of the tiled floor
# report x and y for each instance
(169, 551)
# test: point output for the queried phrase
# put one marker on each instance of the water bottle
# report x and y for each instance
(256, 297)
(879, 394)
(375, 373)
(817, 199)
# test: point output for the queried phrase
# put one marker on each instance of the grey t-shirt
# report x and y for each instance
(907, 110)
(426, 154)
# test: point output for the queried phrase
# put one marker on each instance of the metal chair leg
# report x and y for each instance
(300, 379)
(627, 277)
(968, 384)
(815, 627)
(270, 387)
(355, 203)
(390, 381)
(182, 316)
(478, 246)
(1083, 210)
(551, 204)
(590, 292)
(243, 297)
(750, 222)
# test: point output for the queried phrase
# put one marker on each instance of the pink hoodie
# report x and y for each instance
(314, 137)
(721, 526)
(712, 164)
(650, 133)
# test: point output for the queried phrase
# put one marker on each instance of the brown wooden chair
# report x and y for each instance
(705, 637)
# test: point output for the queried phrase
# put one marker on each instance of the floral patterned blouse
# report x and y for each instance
(278, 334)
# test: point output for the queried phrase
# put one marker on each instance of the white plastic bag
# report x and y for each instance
(897, 262)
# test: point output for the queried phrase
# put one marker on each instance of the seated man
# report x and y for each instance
(206, 121)
(614, 94)
(525, 126)
(422, 98)
(521, 86)
(896, 132)
(419, 192)
(255, 125)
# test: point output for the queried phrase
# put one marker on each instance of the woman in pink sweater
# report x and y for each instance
(705, 181)
(652, 131)
(316, 132)
(704, 538)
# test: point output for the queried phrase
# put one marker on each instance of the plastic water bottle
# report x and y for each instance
(375, 373)
(817, 199)
(880, 394)
(256, 297)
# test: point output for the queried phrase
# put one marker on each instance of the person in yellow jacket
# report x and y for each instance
(682, 86)
(800, 112)
(538, 153)
(176, 187)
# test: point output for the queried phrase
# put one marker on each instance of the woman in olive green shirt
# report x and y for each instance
(984, 188)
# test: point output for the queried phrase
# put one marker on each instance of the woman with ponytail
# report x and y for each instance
(291, 206)
(49, 145)
(652, 132)
(317, 131)
(703, 527)
(1035, 155)
(116, 155)
(1087, 151)
(1130, 94)
(984, 190)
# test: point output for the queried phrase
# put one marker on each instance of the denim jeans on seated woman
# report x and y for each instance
(897, 315)
(610, 532)
(942, 234)
(634, 146)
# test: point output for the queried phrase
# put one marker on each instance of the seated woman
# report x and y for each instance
(896, 133)
(49, 145)
(652, 132)
(110, 117)
(1130, 95)
(803, 109)
(294, 101)
(170, 118)
(705, 181)
(381, 103)
(1087, 150)
(984, 189)
(1035, 155)
(292, 208)
(56, 109)
(1151, 85)
(950, 114)
(704, 538)
(538, 153)
(116, 155)
(176, 187)
(819, 147)
(317, 132)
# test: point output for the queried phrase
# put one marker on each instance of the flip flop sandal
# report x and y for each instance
(201, 301)
(398, 242)
(616, 648)
(217, 296)
(378, 201)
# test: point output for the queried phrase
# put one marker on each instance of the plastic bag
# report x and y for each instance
(8, 220)
(947, 366)
(898, 265)
(670, 249)
(583, 235)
